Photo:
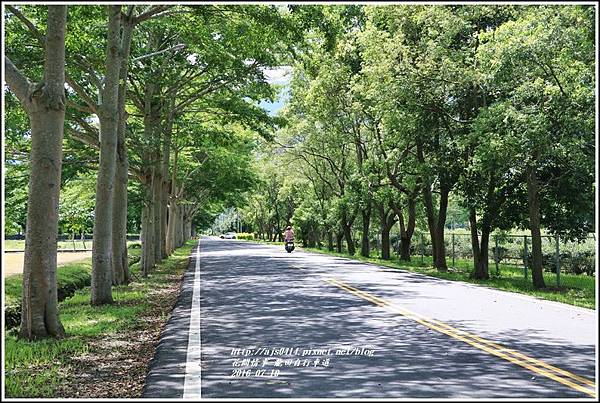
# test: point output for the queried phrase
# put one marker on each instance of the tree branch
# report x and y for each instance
(84, 138)
(82, 93)
(36, 33)
(151, 12)
(16, 81)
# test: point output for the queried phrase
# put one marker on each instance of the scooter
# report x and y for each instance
(289, 246)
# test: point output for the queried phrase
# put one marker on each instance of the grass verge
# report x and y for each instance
(69, 278)
(577, 290)
(107, 348)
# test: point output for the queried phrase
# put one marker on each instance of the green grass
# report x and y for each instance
(35, 369)
(19, 244)
(71, 273)
(21, 379)
(67, 274)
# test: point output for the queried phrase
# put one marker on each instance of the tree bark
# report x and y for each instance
(120, 264)
(347, 230)
(406, 232)
(188, 229)
(480, 248)
(171, 224)
(45, 106)
(386, 216)
(120, 261)
(101, 289)
(440, 258)
(483, 269)
(431, 219)
(365, 247)
(180, 226)
(533, 201)
(152, 115)
(165, 187)
(339, 236)
(147, 236)
(157, 190)
(474, 238)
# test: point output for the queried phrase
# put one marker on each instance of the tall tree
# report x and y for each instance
(541, 67)
(44, 103)
(108, 114)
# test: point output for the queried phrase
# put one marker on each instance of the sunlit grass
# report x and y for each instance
(31, 368)
(36, 369)
(19, 244)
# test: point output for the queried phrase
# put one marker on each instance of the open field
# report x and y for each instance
(13, 262)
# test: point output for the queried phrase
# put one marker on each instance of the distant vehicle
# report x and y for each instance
(228, 235)
(289, 246)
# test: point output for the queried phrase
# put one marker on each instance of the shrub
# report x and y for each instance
(245, 235)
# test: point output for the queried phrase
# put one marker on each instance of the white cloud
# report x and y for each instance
(280, 75)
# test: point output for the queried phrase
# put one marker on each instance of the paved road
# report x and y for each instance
(335, 328)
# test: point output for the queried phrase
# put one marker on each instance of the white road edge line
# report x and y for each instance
(193, 370)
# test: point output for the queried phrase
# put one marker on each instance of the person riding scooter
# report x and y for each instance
(288, 237)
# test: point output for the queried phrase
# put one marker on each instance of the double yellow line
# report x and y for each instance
(567, 378)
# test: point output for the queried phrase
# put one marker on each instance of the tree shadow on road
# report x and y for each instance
(251, 299)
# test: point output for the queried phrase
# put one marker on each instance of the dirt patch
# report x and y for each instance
(13, 262)
(116, 366)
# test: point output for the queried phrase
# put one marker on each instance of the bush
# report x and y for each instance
(245, 235)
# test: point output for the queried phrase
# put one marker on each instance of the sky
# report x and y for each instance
(281, 75)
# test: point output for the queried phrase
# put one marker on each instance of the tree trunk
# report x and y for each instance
(152, 117)
(119, 219)
(474, 239)
(147, 236)
(101, 289)
(366, 221)
(171, 225)
(45, 107)
(533, 201)
(480, 248)
(188, 229)
(483, 269)
(166, 153)
(410, 228)
(407, 232)
(339, 236)
(440, 257)
(386, 216)
(120, 260)
(329, 241)
(431, 219)
(180, 226)
(385, 243)
(349, 241)
(157, 207)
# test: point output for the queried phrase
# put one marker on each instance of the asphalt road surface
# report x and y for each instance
(254, 321)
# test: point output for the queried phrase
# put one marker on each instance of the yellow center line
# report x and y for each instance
(478, 342)
(487, 342)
